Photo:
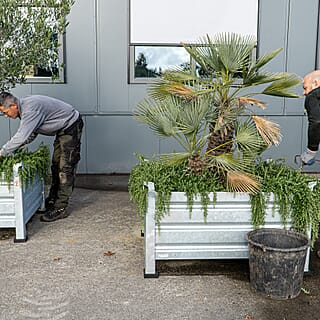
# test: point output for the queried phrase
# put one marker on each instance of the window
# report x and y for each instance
(45, 71)
(52, 70)
(158, 27)
(151, 61)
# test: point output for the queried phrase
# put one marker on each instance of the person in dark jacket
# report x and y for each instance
(52, 117)
(311, 90)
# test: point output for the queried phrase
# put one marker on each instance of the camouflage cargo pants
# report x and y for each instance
(66, 155)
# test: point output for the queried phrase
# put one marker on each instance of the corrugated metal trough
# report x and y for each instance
(18, 203)
(183, 237)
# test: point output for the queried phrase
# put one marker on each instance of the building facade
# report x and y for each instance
(98, 80)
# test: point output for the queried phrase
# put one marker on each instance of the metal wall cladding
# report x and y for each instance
(97, 81)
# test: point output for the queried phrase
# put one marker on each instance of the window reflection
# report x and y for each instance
(151, 61)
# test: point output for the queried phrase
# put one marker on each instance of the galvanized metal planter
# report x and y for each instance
(19, 202)
(182, 237)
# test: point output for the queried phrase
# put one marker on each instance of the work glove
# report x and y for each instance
(308, 157)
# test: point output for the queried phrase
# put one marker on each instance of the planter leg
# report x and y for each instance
(150, 237)
(43, 193)
(15, 240)
(21, 229)
(151, 275)
(149, 249)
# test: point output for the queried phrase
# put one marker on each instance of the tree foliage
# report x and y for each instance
(29, 32)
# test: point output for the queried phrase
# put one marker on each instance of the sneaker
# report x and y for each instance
(54, 214)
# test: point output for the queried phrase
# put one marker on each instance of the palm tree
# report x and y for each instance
(209, 110)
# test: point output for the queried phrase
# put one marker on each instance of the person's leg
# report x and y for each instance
(69, 143)
(53, 192)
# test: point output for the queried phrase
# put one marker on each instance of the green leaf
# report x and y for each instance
(282, 87)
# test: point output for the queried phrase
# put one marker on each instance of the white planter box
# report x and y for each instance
(18, 203)
(182, 237)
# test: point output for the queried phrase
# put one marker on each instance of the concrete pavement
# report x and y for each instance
(90, 266)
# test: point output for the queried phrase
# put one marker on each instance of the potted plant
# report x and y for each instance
(209, 111)
(22, 188)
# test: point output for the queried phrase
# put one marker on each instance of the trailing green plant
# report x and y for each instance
(169, 178)
(33, 164)
(295, 200)
(296, 196)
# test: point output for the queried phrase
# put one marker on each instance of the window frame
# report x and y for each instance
(131, 72)
(131, 50)
(61, 72)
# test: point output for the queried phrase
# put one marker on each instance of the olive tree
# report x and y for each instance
(29, 37)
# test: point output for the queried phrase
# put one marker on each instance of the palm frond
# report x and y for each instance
(241, 182)
(234, 50)
(282, 87)
(244, 101)
(178, 75)
(160, 117)
(224, 54)
(268, 130)
(175, 157)
(204, 53)
(264, 59)
(227, 162)
(262, 77)
(162, 88)
(247, 137)
(193, 114)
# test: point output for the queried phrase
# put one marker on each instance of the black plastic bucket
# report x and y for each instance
(276, 261)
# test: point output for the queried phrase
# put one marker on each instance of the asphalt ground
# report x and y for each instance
(90, 266)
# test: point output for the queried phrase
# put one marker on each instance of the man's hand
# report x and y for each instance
(308, 157)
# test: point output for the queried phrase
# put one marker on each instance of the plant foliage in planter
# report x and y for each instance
(209, 111)
(34, 163)
(295, 200)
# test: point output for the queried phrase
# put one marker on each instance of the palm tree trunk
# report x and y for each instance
(217, 141)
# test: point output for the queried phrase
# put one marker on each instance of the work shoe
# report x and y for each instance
(54, 214)
(50, 203)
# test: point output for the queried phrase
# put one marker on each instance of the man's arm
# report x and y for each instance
(25, 134)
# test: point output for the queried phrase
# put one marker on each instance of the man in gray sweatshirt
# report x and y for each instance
(48, 116)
